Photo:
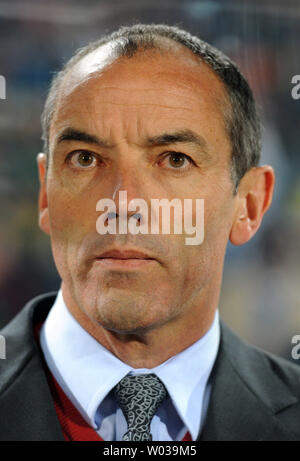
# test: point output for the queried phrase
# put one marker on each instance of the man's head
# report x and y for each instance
(123, 110)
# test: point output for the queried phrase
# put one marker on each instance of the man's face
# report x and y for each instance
(128, 104)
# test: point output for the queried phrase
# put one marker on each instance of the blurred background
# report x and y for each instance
(261, 290)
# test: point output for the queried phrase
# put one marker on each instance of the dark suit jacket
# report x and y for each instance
(255, 395)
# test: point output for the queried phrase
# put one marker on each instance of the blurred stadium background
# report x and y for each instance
(261, 288)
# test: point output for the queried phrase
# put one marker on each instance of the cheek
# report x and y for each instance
(208, 257)
(71, 215)
(71, 219)
(219, 206)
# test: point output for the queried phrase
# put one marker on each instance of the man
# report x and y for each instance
(131, 347)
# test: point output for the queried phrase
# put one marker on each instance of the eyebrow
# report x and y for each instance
(71, 134)
(181, 136)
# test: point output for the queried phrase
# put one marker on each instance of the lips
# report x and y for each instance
(124, 254)
(124, 260)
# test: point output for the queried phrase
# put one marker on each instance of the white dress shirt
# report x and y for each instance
(87, 372)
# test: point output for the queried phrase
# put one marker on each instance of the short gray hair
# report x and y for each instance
(242, 121)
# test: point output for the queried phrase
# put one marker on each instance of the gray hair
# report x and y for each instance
(242, 121)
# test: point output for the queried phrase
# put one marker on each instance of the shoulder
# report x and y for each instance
(255, 394)
(27, 409)
(19, 339)
(258, 365)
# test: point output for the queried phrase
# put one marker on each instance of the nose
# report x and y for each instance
(130, 187)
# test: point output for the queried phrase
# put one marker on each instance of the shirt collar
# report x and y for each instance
(87, 371)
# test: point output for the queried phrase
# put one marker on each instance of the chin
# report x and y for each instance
(127, 318)
(123, 311)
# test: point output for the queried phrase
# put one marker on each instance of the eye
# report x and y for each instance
(82, 159)
(178, 161)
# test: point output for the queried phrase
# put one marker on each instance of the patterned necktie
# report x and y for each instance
(139, 396)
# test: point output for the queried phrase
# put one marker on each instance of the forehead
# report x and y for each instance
(172, 84)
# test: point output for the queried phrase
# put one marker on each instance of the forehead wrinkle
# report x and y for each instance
(147, 104)
(146, 89)
(132, 92)
(66, 106)
(165, 93)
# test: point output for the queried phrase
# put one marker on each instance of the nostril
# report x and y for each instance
(111, 215)
(138, 217)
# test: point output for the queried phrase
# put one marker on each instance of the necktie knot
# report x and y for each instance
(139, 397)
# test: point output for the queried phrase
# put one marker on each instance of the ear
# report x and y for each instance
(254, 197)
(43, 201)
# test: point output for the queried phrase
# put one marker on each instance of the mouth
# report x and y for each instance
(124, 259)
